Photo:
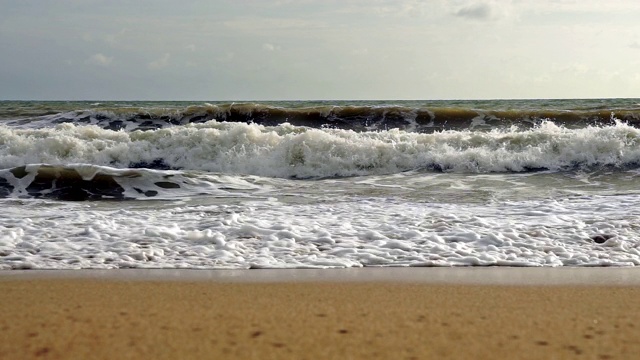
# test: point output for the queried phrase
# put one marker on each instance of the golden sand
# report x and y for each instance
(123, 319)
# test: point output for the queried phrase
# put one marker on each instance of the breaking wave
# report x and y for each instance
(79, 182)
(346, 117)
(287, 151)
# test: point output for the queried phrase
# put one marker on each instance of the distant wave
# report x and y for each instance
(355, 117)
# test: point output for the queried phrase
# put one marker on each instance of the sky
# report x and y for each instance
(318, 49)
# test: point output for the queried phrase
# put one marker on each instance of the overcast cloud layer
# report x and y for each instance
(318, 49)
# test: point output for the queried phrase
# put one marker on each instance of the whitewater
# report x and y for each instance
(319, 184)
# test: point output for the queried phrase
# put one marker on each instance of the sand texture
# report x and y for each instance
(125, 319)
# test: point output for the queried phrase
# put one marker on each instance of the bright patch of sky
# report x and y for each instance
(318, 49)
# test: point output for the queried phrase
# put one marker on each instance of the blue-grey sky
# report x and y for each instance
(318, 49)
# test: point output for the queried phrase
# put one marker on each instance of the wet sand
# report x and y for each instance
(305, 315)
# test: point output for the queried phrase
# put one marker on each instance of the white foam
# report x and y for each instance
(343, 232)
(288, 151)
(223, 220)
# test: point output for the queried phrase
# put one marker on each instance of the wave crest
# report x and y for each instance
(346, 117)
(287, 151)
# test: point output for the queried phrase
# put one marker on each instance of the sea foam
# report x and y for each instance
(365, 232)
(287, 151)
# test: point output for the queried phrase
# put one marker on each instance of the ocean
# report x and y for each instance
(319, 184)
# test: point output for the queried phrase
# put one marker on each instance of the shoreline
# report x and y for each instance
(511, 276)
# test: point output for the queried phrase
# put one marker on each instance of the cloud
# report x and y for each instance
(100, 60)
(270, 47)
(386, 8)
(478, 11)
(634, 45)
(227, 57)
(160, 63)
(257, 24)
(114, 39)
(360, 51)
(574, 68)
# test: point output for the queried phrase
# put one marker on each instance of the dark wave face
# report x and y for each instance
(78, 183)
(357, 116)
(90, 182)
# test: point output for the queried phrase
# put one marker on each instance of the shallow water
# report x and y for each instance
(234, 195)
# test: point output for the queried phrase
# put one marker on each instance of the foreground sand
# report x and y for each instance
(117, 318)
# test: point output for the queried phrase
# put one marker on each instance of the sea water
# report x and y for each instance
(319, 184)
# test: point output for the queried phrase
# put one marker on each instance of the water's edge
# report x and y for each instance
(503, 276)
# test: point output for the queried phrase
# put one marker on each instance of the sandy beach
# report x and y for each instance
(263, 315)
